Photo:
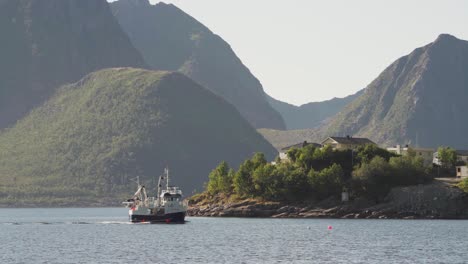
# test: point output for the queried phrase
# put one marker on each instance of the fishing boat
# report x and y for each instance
(167, 207)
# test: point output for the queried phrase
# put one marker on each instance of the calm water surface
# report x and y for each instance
(103, 235)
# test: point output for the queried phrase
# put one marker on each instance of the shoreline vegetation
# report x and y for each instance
(380, 184)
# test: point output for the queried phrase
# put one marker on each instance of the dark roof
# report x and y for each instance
(353, 140)
(301, 145)
(461, 152)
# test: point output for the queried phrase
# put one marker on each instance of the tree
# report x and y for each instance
(373, 179)
(464, 185)
(368, 152)
(408, 170)
(328, 182)
(242, 181)
(447, 157)
(220, 179)
(259, 160)
(292, 153)
(265, 182)
(294, 184)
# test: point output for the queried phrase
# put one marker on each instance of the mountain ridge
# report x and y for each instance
(407, 103)
(54, 42)
(313, 114)
(170, 39)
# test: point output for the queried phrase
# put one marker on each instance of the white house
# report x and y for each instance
(462, 172)
(426, 153)
(462, 155)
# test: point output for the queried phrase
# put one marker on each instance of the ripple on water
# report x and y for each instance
(105, 236)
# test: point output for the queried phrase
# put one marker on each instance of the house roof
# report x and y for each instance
(351, 140)
(461, 152)
(301, 145)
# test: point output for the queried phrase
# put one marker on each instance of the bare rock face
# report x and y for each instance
(49, 43)
(437, 200)
(170, 39)
(420, 99)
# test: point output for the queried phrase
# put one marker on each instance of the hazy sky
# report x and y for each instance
(307, 50)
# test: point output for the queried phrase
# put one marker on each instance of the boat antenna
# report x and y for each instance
(136, 180)
(167, 177)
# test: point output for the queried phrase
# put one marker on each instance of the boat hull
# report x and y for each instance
(166, 218)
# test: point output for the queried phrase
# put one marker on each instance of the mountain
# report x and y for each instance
(285, 138)
(92, 137)
(420, 99)
(49, 43)
(170, 39)
(313, 114)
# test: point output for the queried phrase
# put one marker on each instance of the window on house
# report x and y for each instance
(458, 169)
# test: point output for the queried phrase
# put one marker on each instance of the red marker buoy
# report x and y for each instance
(330, 227)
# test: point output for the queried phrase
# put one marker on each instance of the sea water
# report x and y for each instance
(104, 235)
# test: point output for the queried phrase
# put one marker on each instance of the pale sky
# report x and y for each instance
(306, 50)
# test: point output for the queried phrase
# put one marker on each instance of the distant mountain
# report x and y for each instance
(421, 99)
(85, 144)
(310, 115)
(48, 43)
(170, 39)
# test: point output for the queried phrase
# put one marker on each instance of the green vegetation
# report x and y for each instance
(464, 185)
(319, 173)
(447, 157)
(87, 142)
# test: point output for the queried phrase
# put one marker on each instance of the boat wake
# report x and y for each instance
(67, 223)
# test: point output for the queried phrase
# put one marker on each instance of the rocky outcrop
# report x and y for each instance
(432, 201)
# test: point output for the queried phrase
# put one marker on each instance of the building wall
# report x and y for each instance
(283, 156)
(462, 171)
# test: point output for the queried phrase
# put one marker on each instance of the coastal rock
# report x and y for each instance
(413, 202)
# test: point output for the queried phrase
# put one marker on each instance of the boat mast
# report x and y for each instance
(166, 170)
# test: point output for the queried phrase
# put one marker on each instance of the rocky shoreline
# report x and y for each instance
(437, 200)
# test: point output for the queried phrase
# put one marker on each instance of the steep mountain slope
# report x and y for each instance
(93, 136)
(48, 43)
(313, 114)
(420, 99)
(170, 39)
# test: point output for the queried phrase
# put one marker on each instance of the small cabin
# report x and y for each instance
(462, 172)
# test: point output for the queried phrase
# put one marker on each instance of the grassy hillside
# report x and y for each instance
(84, 145)
(170, 39)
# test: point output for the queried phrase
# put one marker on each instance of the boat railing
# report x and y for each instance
(150, 200)
(173, 190)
